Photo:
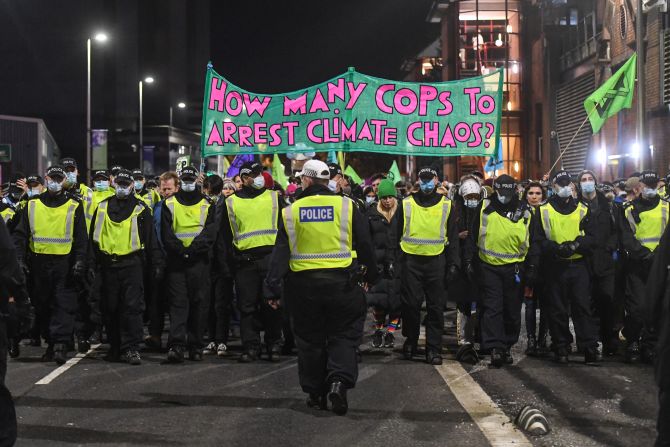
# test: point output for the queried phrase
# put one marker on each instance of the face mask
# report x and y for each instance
(369, 199)
(649, 193)
(504, 199)
(188, 187)
(347, 190)
(101, 185)
(564, 192)
(54, 186)
(427, 187)
(122, 193)
(34, 192)
(138, 185)
(259, 182)
(332, 185)
(471, 203)
(588, 187)
(71, 177)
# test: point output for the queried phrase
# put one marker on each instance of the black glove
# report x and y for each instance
(389, 271)
(530, 276)
(565, 250)
(470, 271)
(78, 270)
(452, 273)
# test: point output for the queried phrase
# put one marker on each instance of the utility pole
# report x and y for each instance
(641, 95)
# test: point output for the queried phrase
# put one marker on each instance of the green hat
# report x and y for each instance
(386, 189)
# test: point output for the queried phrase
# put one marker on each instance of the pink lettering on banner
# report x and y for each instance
(379, 126)
(237, 108)
(365, 133)
(447, 107)
(214, 136)
(349, 133)
(410, 134)
(336, 91)
(431, 133)
(254, 105)
(405, 101)
(379, 98)
(427, 93)
(290, 131)
(447, 138)
(476, 134)
(260, 133)
(390, 136)
(486, 104)
(217, 94)
(318, 103)
(275, 138)
(229, 130)
(490, 129)
(245, 132)
(472, 92)
(462, 132)
(314, 138)
(354, 93)
(295, 106)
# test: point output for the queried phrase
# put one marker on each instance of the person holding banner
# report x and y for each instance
(188, 231)
(566, 234)
(427, 233)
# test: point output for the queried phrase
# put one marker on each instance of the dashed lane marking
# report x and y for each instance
(61, 369)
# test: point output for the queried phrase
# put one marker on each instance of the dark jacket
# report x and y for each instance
(22, 231)
(601, 260)
(452, 251)
(657, 308)
(281, 253)
(384, 294)
(119, 210)
(177, 253)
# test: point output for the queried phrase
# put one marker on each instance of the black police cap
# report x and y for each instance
(427, 173)
(251, 168)
(505, 185)
(649, 178)
(124, 176)
(562, 178)
(189, 172)
(55, 171)
(101, 173)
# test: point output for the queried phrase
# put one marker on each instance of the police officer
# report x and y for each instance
(150, 196)
(501, 239)
(565, 232)
(74, 188)
(314, 251)
(122, 241)
(645, 220)
(428, 234)
(249, 234)
(51, 244)
(188, 231)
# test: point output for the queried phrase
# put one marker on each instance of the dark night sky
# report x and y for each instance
(276, 46)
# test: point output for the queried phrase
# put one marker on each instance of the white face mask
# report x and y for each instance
(588, 187)
(369, 199)
(188, 187)
(259, 182)
(101, 185)
(32, 192)
(564, 192)
(54, 186)
(471, 203)
(122, 192)
(649, 193)
(332, 185)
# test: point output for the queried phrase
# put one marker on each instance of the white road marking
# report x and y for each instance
(61, 369)
(490, 419)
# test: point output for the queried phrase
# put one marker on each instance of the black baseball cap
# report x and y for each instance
(427, 173)
(649, 178)
(34, 178)
(138, 174)
(102, 173)
(124, 176)
(562, 178)
(115, 169)
(56, 171)
(188, 173)
(68, 162)
(251, 168)
(504, 185)
(335, 169)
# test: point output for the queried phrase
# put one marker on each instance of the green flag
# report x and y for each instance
(394, 172)
(278, 171)
(353, 174)
(615, 94)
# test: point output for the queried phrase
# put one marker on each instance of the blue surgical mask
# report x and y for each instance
(471, 203)
(564, 192)
(122, 192)
(588, 187)
(188, 186)
(369, 199)
(101, 185)
(54, 186)
(427, 186)
(259, 182)
(649, 193)
(32, 192)
(71, 178)
(138, 185)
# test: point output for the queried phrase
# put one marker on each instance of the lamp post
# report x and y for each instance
(101, 38)
(181, 105)
(148, 80)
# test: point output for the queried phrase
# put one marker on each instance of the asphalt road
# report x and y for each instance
(222, 402)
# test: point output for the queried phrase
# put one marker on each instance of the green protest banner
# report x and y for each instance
(355, 112)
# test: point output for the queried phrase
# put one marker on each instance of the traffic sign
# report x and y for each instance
(5, 153)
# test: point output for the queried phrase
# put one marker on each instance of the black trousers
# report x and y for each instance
(184, 286)
(328, 315)
(530, 311)
(422, 277)
(602, 293)
(500, 319)
(122, 305)
(157, 308)
(3, 351)
(54, 296)
(255, 313)
(569, 293)
(220, 307)
(663, 380)
(636, 281)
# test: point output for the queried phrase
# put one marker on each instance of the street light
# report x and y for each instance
(148, 80)
(101, 38)
(181, 105)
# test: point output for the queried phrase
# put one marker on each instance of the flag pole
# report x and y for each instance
(569, 143)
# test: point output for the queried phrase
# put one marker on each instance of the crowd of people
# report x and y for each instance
(110, 260)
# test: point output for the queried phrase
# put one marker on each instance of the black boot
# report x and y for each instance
(318, 401)
(497, 358)
(250, 354)
(409, 349)
(338, 398)
(507, 357)
(48, 355)
(14, 348)
(83, 345)
(60, 353)
(531, 348)
(433, 357)
(542, 348)
(562, 355)
(274, 353)
(195, 355)
(591, 356)
(633, 352)
(175, 354)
